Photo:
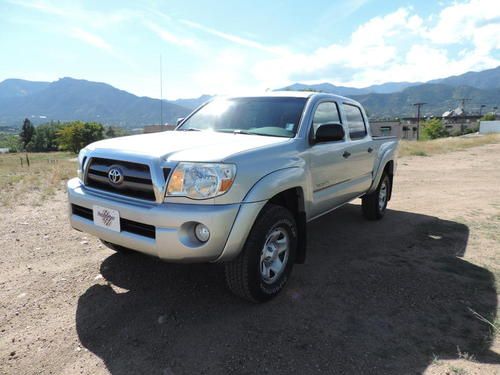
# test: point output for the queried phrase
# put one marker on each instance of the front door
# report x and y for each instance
(329, 170)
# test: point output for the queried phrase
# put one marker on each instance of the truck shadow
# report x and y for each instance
(373, 297)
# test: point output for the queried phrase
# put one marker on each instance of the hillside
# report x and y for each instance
(72, 99)
(76, 99)
(396, 99)
(20, 88)
(439, 98)
(383, 88)
(486, 79)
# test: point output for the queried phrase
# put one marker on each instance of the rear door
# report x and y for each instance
(361, 154)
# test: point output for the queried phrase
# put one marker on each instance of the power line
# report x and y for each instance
(418, 105)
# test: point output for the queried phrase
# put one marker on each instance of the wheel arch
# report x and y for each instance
(286, 187)
(293, 200)
(387, 164)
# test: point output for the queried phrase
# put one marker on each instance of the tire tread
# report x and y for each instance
(236, 271)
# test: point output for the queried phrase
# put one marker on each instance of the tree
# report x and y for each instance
(45, 138)
(113, 132)
(26, 134)
(74, 136)
(433, 128)
(110, 132)
(489, 117)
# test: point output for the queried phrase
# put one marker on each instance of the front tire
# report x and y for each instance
(265, 263)
(374, 204)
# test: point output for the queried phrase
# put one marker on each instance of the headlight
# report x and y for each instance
(201, 180)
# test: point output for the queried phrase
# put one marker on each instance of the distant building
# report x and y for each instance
(4, 150)
(382, 128)
(458, 120)
(487, 127)
(157, 128)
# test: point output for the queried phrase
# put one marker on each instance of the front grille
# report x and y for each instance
(126, 225)
(136, 182)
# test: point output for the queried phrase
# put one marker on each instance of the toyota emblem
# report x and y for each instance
(115, 176)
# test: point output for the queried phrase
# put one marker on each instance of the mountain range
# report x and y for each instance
(76, 99)
(396, 99)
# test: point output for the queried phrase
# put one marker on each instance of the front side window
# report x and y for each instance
(326, 113)
(272, 116)
(355, 121)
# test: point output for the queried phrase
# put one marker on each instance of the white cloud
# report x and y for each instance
(462, 21)
(170, 37)
(91, 39)
(399, 46)
(233, 38)
(76, 13)
(370, 45)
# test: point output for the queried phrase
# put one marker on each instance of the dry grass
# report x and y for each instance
(444, 145)
(48, 171)
(45, 175)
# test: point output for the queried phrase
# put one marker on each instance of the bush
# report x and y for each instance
(489, 117)
(10, 141)
(433, 129)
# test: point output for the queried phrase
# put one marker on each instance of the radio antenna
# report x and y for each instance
(161, 93)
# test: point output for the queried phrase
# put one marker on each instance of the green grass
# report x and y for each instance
(457, 370)
(46, 174)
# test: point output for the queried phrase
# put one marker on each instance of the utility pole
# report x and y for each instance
(161, 93)
(481, 109)
(418, 105)
(462, 101)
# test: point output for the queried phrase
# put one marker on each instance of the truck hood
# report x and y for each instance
(186, 145)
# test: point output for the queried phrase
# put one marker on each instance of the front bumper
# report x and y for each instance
(173, 237)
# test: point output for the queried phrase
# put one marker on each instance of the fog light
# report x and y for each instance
(201, 232)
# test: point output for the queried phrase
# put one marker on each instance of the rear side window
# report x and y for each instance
(355, 121)
(326, 113)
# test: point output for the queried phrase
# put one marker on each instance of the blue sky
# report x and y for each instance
(226, 47)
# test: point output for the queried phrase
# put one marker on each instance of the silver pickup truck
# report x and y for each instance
(236, 182)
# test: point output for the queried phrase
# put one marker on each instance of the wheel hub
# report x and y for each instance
(274, 255)
(382, 196)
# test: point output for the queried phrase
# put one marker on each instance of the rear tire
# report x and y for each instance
(265, 263)
(374, 204)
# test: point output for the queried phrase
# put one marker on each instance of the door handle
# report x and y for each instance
(346, 154)
(370, 149)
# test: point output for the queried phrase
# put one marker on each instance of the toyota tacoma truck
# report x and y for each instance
(236, 182)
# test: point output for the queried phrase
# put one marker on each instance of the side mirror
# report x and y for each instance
(329, 133)
(179, 120)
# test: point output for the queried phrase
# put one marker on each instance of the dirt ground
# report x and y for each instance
(399, 296)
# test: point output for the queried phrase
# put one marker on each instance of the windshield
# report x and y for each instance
(271, 116)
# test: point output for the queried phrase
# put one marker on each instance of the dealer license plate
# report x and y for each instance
(106, 218)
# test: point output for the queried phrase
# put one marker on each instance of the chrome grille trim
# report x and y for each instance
(137, 182)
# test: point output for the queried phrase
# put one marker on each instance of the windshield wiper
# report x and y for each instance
(234, 131)
(190, 130)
